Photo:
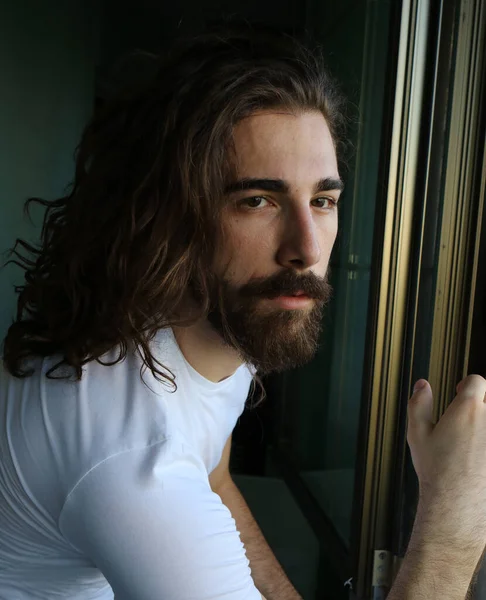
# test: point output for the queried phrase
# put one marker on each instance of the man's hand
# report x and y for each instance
(450, 461)
(449, 533)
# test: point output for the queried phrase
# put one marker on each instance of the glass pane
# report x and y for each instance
(324, 397)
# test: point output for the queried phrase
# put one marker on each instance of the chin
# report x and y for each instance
(274, 342)
(285, 359)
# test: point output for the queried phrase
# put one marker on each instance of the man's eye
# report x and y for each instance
(326, 202)
(254, 202)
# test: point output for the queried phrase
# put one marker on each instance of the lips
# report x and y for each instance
(288, 294)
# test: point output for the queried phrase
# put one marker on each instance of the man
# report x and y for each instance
(196, 239)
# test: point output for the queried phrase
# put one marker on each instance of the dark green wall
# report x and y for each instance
(47, 57)
(151, 25)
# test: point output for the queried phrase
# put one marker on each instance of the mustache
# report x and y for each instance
(288, 284)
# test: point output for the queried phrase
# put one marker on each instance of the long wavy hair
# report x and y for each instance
(140, 224)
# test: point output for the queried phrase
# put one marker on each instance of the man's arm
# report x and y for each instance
(183, 544)
(267, 573)
(429, 573)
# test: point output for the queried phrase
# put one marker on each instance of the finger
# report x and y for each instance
(472, 387)
(421, 411)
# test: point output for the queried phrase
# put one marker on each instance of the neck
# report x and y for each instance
(205, 351)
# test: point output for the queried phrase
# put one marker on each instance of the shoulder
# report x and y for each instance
(114, 408)
(60, 429)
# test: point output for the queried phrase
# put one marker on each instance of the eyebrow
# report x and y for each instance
(279, 185)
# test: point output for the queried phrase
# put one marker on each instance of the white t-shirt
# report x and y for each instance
(104, 485)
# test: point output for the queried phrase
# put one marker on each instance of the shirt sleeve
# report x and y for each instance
(156, 530)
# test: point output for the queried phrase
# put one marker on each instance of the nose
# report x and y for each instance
(300, 247)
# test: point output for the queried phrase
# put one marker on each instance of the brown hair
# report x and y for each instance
(141, 221)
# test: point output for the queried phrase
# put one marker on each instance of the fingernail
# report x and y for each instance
(421, 383)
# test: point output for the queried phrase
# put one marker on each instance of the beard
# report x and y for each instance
(271, 338)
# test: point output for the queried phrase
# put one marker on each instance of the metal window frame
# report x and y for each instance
(462, 210)
(389, 308)
(393, 316)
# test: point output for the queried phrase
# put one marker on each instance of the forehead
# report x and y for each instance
(284, 145)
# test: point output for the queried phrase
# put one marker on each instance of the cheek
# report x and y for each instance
(249, 238)
(247, 253)
(328, 234)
